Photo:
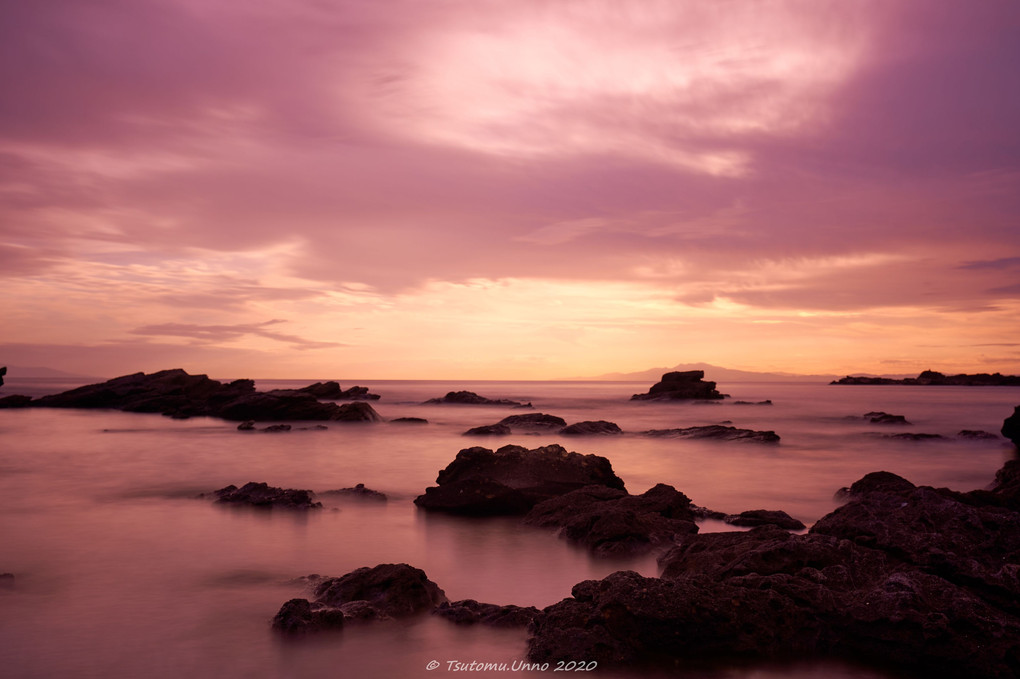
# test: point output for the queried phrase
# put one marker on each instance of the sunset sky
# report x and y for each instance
(509, 189)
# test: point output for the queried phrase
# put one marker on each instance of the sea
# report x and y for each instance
(121, 570)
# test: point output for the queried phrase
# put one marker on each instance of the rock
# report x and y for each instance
(489, 430)
(878, 417)
(247, 425)
(392, 590)
(471, 398)
(331, 391)
(611, 522)
(935, 378)
(175, 393)
(766, 402)
(15, 401)
(976, 435)
(298, 617)
(513, 479)
(880, 482)
(592, 428)
(910, 436)
(359, 492)
(409, 420)
(1007, 484)
(765, 517)
(471, 612)
(534, 421)
(3, 371)
(716, 431)
(1011, 427)
(265, 496)
(275, 428)
(680, 386)
(6, 580)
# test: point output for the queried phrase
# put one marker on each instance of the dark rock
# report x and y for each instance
(471, 398)
(611, 522)
(175, 393)
(331, 391)
(275, 428)
(680, 386)
(911, 436)
(534, 421)
(471, 612)
(878, 417)
(392, 590)
(716, 431)
(300, 616)
(264, 495)
(15, 401)
(359, 492)
(765, 517)
(6, 580)
(513, 479)
(592, 428)
(882, 482)
(247, 425)
(976, 435)
(706, 513)
(1011, 427)
(766, 402)
(1007, 484)
(489, 430)
(409, 420)
(3, 371)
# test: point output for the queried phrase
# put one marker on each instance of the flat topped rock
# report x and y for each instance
(265, 496)
(332, 391)
(592, 428)
(513, 479)
(685, 385)
(470, 398)
(716, 431)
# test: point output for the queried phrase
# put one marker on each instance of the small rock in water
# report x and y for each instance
(592, 428)
(489, 430)
(359, 491)
(263, 495)
(765, 517)
(878, 417)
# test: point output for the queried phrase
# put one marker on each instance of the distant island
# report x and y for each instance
(935, 378)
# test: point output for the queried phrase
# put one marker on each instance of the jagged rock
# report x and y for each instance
(15, 401)
(765, 517)
(716, 431)
(592, 428)
(175, 393)
(489, 430)
(409, 420)
(1011, 427)
(878, 417)
(263, 495)
(332, 391)
(299, 616)
(680, 386)
(471, 398)
(359, 491)
(471, 612)
(611, 522)
(533, 421)
(976, 435)
(513, 479)
(392, 590)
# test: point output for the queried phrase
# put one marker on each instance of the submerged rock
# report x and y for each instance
(534, 421)
(299, 616)
(592, 428)
(471, 612)
(716, 431)
(976, 435)
(765, 517)
(879, 417)
(488, 430)
(611, 522)
(409, 420)
(265, 496)
(471, 398)
(15, 401)
(684, 385)
(513, 479)
(359, 492)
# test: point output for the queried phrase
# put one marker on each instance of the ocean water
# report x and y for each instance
(122, 571)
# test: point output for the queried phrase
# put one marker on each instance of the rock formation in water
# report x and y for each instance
(752, 518)
(331, 391)
(533, 422)
(472, 399)
(935, 378)
(513, 479)
(380, 593)
(879, 417)
(592, 428)
(175, 393)
(264, 496)
(716, 431)
(3, 371)
(686, 385)
(358, 492)
(471, 612)
(1011, 427)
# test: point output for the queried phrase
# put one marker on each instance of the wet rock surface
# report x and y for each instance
(263, 495)
(489, 430)
(332, 391)
(879, 417)
(765, 517)
(513, 479)
(358, 492)
(611, 522)
(534, 422)
(592, 428)
(177, 394)
(716, 431)
(471, 612)
(904, 576)
(685, 385)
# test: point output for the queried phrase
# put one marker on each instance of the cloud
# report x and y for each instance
(216, 334)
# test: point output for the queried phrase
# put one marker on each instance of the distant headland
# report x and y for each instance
(935, 378)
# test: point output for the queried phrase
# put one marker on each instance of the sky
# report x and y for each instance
(512, 189)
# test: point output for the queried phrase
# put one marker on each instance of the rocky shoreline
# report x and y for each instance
(935, 378)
